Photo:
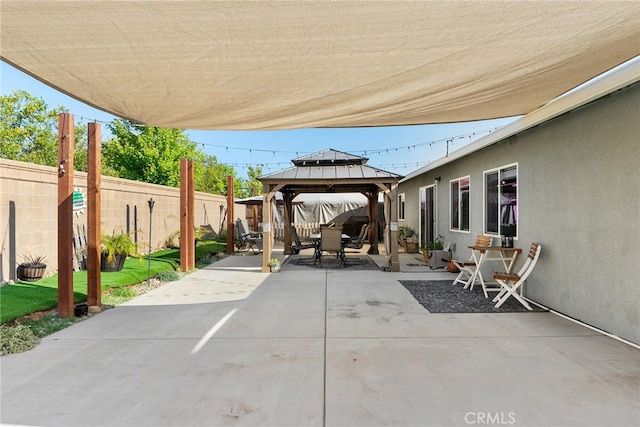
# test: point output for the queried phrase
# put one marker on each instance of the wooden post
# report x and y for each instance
(255, 211)
(393, 233)
(94, 289)
(267, 228)
(287, 199)
(191, 215)
(184, 209)
(65, 215)
(230, 214)
(372, 196)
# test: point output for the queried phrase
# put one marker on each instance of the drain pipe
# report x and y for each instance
(593, 328)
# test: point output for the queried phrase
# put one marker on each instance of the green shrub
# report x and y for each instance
(168, 276)
(118, 244)
(16, 339)
(204, 261)
(48, 324)
(123, 292)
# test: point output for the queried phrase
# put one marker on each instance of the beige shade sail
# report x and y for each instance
(279, 65)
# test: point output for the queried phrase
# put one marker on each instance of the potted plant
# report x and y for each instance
(435, 245)
(115, 249)
(434, 254)
(451, 265)
(411, 243)
(32, 268)
(408, 239)
(274, 265)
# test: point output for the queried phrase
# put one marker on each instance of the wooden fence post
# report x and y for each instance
(65, 215)
(94, 284)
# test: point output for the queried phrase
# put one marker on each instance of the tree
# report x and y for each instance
(214, 176)
(253, 174)
(29, 131)
(150, 154)
(214, 179)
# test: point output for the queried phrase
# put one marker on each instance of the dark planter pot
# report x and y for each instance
(81, 309)
(30, 273)
(116, 265)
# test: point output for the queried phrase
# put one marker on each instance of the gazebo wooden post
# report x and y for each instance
(230, 213)
(393, 231)
(287, 199)
(94, 204)
(372, 197)
(255, 211)
(267, 228)
(65, 215)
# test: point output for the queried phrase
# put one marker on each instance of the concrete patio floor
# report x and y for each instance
(230, 346)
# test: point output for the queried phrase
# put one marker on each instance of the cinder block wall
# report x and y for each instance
(29, 213)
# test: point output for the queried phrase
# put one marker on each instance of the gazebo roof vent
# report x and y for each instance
(330, 157)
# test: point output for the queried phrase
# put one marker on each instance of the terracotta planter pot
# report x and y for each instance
(452, 267)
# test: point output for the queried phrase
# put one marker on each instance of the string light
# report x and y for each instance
(364, 153)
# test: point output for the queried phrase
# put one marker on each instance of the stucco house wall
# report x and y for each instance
(578, 195)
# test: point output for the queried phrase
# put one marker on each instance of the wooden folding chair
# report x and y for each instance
(468, 268)
(510, 283)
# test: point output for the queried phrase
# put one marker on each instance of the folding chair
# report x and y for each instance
(298, 245)
(248, 239)
(331, 241)
(358, 242)
(512, 282)
(468, 268)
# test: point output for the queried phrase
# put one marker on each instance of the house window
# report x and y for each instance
(401, 206)
(459, 204)
(501, 201)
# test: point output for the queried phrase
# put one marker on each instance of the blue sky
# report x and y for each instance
(399, 149)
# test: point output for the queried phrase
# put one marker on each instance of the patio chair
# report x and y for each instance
(248, 239)
(331, 241)
(298, 245)
(510, 283)
(468, 268)
(358, 242)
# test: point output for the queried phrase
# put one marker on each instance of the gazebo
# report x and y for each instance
(333, 171)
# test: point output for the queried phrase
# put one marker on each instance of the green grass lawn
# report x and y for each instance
(24, 298)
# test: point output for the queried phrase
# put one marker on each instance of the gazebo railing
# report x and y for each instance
(304, 230)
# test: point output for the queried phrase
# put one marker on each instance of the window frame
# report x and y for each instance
(459, 208)
(499, 170)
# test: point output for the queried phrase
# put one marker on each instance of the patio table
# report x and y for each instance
(315, 238)
(500, 254)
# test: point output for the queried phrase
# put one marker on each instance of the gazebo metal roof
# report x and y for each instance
(331, 170)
